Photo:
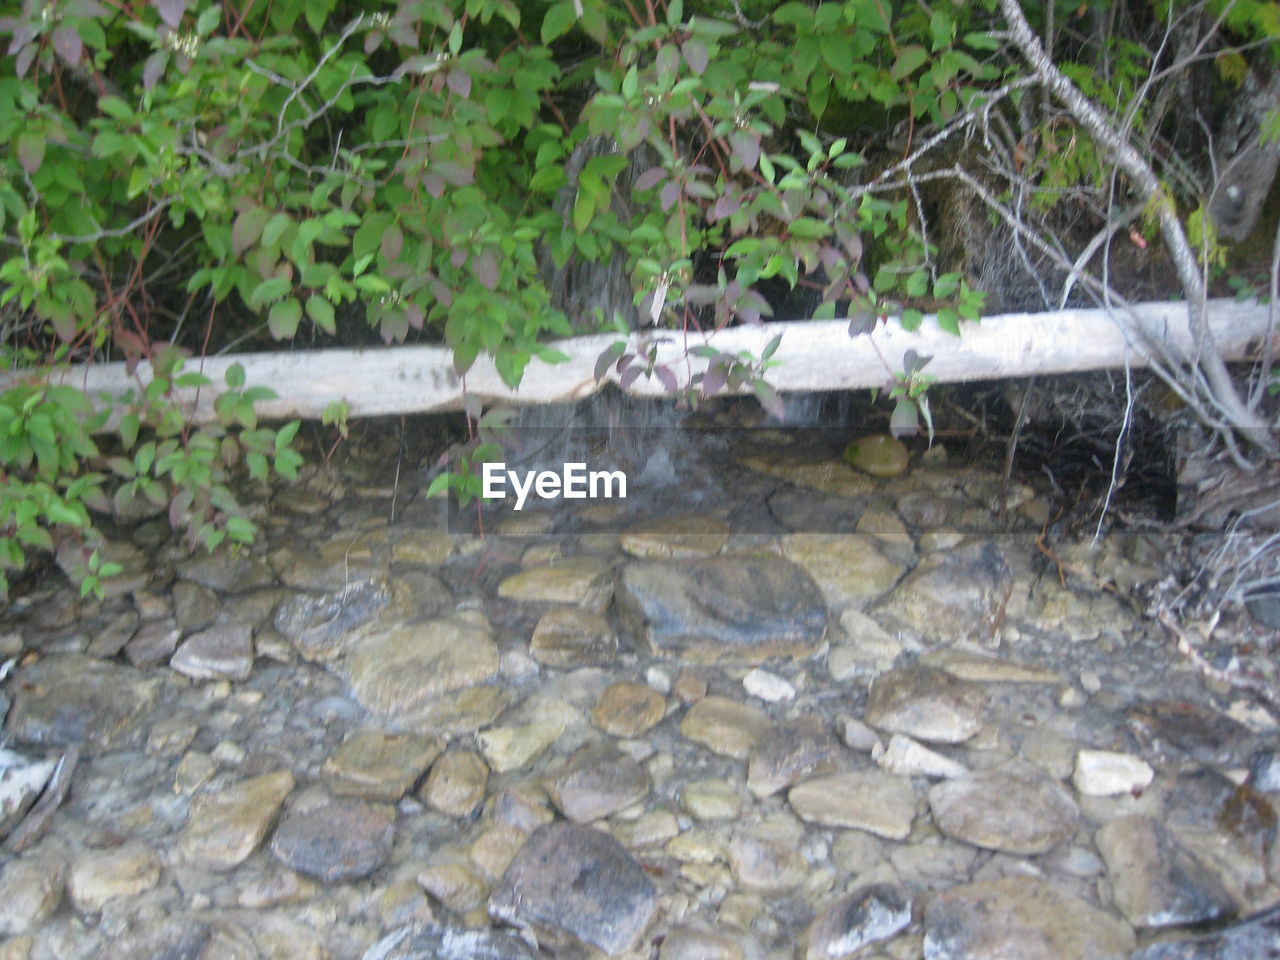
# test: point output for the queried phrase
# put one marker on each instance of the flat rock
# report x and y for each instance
(401, 670)
(764, 865)
(1015, 808)
(907, 758)
(850, 569)
(725, 726)
(713, 799)
(1106, 773)
(768, 686)
(22, 780)
(427, 548)
(598, 781)
(968, 665)
(678, 537)
(434, 941)
(30, 891)
(577, 881)
(870, 800)
(219, 653)
(341, 840)
(866, 916)
(825, 476)
(74, 699)
(694, 943)
(331, 565)
(926, 704)
(516, 746)
(584, 581)
(225, 827)
(723, 608)
(1251, 939)
(568, 637)
(456, 783)
(953, 595)
(628, 709)
(790, 752)
(378, 764)
(227, 570)
(99, 876)
(153, 644)
(320, 624)
(1020, 917)
(1176, 729)
(1155, 882)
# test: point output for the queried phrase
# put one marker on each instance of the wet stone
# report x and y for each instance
(461, 712)
(711, 800)
(584, 581)
(99, 876)
(851, 570)
(396, 672)
(926, 704)
(226, 571)
(456, 885)
(825, 476)
(628, 709)
(22, 780)
(194, 607)
(870, 800)
(1178, 729)
(738, 608)
(1155, 882)
(379, 765)
(219, 653)
(725, 726)
(30, 891)
(1016, 809)
(981, 669)
(577, 881)
(598, 781)
(318, 624)
(456, 783)
(789, 753)
(75, 699)
(341, 840)
(332, 565)
(764, 865)
(1022, 917)
(1252, 939)
(868, 915)
(879, 455)
(433, 941)
(515, 747)
(954, 595)
(426, 548)
(277, 887)
(224, 828)
(569, 637)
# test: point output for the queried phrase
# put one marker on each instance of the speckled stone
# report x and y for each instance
(99, 876)
(341, 840)
(568, 637)
(219, 653)
(378, 764)
(628, 709)
(866, 916)
(926, 704)
(456, 783)
(1016, 808)
(586, 581)
(870, 800)
(598, 781)
(225, 827)
(725, 726)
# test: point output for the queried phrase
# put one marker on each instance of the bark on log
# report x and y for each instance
(815, 356)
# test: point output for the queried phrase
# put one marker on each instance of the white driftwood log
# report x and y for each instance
(814, 356)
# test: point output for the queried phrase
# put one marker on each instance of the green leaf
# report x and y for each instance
(557, 21)
(909, 59)
(439, 485)
(283, 318)
(268, 291)
(320, 311)
(235, 376)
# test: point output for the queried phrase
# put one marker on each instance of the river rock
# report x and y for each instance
(692, 943)
(399, 671)
(1015, 808)
(1174, 729)
(378, 764)
(456, 783)
(340, 840)
(74, 699)
(725, 726)
(1105, 773)
(867, 915)
(434, 941)
(225, 827)
(194, 607)
(968, 665)
(577, 881)
(850, 569)
(516, 746)
(30, 891)
(878, 455)
(870, 800)
(332, 565)
(907, 758)
(1251, 939)
(628, 709)
(953, 595)
(319, 625)
(926, 704)
(790, 752)
(1154, 881)
(568, 637)
(99, 876)
(1023, 917)
(585, 581)
(768, 686)
(713, 799)
(764, 865)
(825, 476)
(740, 608)
(679, 537)
(219, 653)
(598, 781)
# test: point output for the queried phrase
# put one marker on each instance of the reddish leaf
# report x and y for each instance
(486, 269)
(372, 41)
(608, 356)
(669, 195)
(22, 62)
(650, 178)
(769, 399)
(31, 151)
(726, 205)
(392, 243)
(171, 11)
(629, 376)
(861, 322)
(746, 147)
(459, 82)
(154, 68)
(247, 229)
(695, 55)
(714, 380)
(67, 42)
(434, 185)
(667, 377)
(413, 313)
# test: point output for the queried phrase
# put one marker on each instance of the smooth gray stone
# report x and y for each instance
(70, 699)
(342, 840)
(1256, 938)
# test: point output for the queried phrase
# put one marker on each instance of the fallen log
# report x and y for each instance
(813, 356)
